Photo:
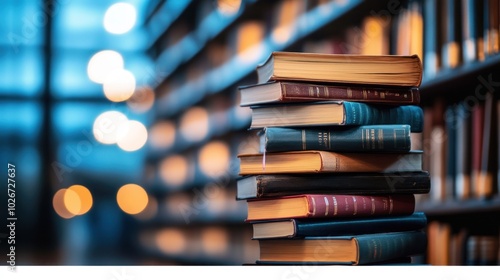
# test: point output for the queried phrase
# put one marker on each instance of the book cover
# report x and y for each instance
(388, 70)
(340, 113)
(368, 138)
(330, 206)
(290, 91)
(313, 161)
(300, 228)
(348, 250)
(273, 185)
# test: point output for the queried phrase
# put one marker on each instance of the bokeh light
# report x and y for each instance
(131, 135)
(214, 158)
(84, 201)
(132, 199)
(103, 63)
(106, 126)
(120, 18)
(194, 124)
(162, 134)
(119, 85)
(59, 205)
(174, 170)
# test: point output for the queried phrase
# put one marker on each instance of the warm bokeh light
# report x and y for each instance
(120, 18)
(228, 7)
(250, 36)
(78, 200)
(132, 199)
(174, 170)
(194, 124)
(162, 134)
(215, 240)
(287, 17)
(131, 136)
(106, 126)
(171, 241)
(119, 85)
(59, 205)
(142, 100)
(103, 63)
(214, 158)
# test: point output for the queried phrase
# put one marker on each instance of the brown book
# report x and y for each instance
(387, 70)
(314, 161)
(289, 91)
(330, 206)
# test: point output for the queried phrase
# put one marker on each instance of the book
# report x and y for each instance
(388, 70)
(369, 138)
(329, 206)
(290, 91)
(274, 185)
(300, 228)
(313, 161)
(335, 113)
(348, 250)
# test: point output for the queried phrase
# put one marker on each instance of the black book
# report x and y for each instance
(273, 185)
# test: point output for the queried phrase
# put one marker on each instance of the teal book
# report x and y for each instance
(301, 228)
(335, 113)
(365, 138)
(343, 250)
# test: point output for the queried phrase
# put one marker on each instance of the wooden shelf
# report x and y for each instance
(464, 78)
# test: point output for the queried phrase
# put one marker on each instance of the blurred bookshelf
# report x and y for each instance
(209, 48)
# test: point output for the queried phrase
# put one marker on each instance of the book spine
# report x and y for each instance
(416, 221)
(310, 92)
(390, 245)
(360, 205)
(357, 113)
(352, 139)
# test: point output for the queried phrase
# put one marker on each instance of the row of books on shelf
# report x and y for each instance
(335, 180)
(451, 245)
(462, 140)
(445, 34)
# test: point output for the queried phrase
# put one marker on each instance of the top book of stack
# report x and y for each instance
(381, 70)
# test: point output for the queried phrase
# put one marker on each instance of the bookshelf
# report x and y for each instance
(202, 57)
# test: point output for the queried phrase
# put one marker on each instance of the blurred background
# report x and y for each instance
(122, 125)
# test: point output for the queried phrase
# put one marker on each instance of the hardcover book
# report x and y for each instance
(329, 206)
(335, 113)
(313, 161)
(273, 185)
(347, 250)
(289, 91)
(366, 138)
(300, 228)
(387, 70)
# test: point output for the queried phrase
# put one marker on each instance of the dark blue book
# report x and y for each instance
(335, 113)
(301, 228)
(365, 138)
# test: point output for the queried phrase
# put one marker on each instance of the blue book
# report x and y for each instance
(301, 228)
(335, 113)
(365, 138)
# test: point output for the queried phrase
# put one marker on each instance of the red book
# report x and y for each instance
(329, 206)
(290, 91)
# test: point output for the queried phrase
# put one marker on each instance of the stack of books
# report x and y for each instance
(336, 177)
